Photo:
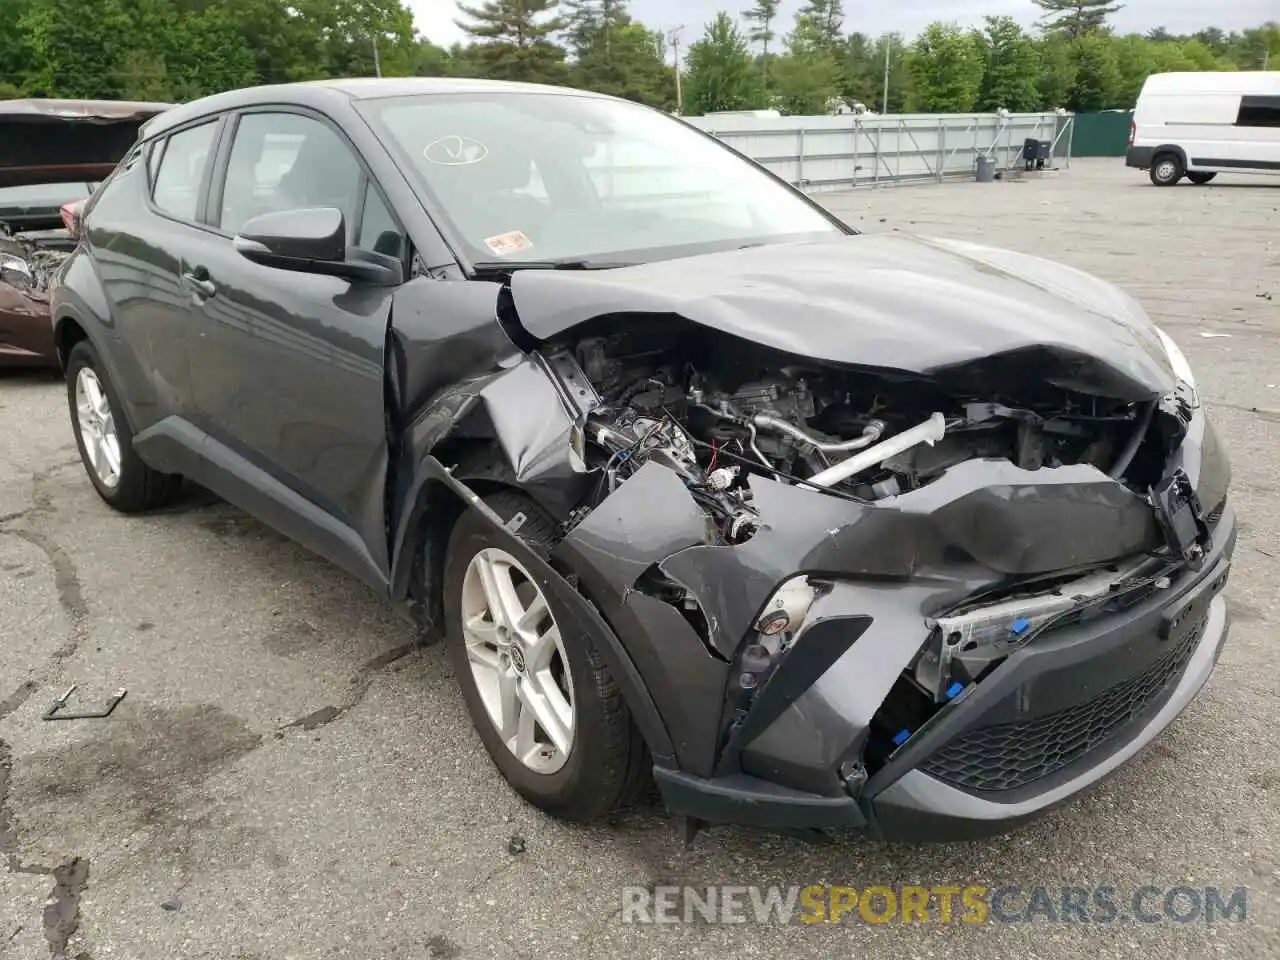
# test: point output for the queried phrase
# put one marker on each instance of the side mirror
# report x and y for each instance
(313, 240)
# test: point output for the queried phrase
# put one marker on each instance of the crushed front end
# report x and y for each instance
(925, 607)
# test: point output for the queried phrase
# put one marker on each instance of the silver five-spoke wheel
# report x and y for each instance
(518, 661)
(97, 428)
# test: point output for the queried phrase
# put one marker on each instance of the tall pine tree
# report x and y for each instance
(760, 18)
(1074, 18)
(615, 55)
(514, 39)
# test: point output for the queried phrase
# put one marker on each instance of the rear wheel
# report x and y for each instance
(105, 440)
(1166, 170)
(1200, 178)
(549, 713)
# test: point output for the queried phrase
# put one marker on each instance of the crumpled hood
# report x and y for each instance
(920, 305)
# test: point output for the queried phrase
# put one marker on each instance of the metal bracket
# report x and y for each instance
(54, 711)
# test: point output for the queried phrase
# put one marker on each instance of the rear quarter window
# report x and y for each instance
(180, 174)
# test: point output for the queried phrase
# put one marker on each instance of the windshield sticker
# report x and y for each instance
(505, 243)
(454, 151)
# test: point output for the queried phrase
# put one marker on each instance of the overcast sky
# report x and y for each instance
(435, 18)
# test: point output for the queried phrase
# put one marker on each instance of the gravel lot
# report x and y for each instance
(289, 777)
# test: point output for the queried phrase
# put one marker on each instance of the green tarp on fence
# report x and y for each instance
(1104, 134)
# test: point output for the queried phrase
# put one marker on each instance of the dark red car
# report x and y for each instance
(53, 153)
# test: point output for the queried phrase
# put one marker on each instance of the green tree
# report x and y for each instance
(805, 84)
(1097, 75)
(1257, 48)
(75, 47)
(1012, 67)
(626, 60)
(901, 79)
(813, 74)
(1073, 18)
(1135, 61)
(15, 50)
(1057, 75)
(719, 74)
(591, 24)
(818, 27)
(861, 72)
(946, 65)
(761, 17)
(429, 60)
(515, 39)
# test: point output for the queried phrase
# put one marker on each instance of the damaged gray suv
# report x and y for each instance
(819, 530)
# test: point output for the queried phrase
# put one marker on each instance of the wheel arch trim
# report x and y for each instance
(436, 488)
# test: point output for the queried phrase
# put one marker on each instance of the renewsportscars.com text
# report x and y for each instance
(936, 904)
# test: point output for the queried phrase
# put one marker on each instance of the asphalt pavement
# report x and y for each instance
(290, 777)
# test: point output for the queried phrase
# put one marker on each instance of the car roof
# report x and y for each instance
(319, 93)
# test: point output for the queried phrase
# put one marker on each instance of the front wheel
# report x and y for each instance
(549, 713)
(105, 440)
(1200, 178)
(1166, 170)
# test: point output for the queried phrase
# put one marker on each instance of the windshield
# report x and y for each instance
(528, 176)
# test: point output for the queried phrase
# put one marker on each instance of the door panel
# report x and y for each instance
(138, 250)
(288, 367)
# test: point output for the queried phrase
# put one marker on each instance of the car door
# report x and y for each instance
(287, 367)
(143, 223)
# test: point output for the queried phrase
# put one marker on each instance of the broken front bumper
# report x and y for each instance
(1054, 718)
(809, 750)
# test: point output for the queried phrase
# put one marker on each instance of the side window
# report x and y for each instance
(181, 171)
(379, 232)
(283, 161)
(1259, 112)
(154, 152)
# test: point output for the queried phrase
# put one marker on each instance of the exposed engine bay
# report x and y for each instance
(34, 255)
(725, 410)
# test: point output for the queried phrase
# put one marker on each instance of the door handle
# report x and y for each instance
(200, 282)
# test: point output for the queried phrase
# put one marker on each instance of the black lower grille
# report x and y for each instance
(1011, 755)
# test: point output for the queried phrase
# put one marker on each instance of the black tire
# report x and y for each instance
(1166, 169)
(138, 487)
(1200, 178)
(608, 761)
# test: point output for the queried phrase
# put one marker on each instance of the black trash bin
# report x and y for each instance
(1036, 153)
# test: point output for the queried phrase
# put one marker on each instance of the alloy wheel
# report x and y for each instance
(97, 428)
(517, 660)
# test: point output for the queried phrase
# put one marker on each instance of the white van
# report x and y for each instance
(1198, 125)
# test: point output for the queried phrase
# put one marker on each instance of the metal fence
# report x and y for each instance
(839, 152)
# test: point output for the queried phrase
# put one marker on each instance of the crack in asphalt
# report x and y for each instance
(61, 917)
(66, 577)
(360, 685)
(62, 909)
(16, 699)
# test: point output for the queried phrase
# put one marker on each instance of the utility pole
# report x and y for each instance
(673, 37)
(888, 45)
(377, 60)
